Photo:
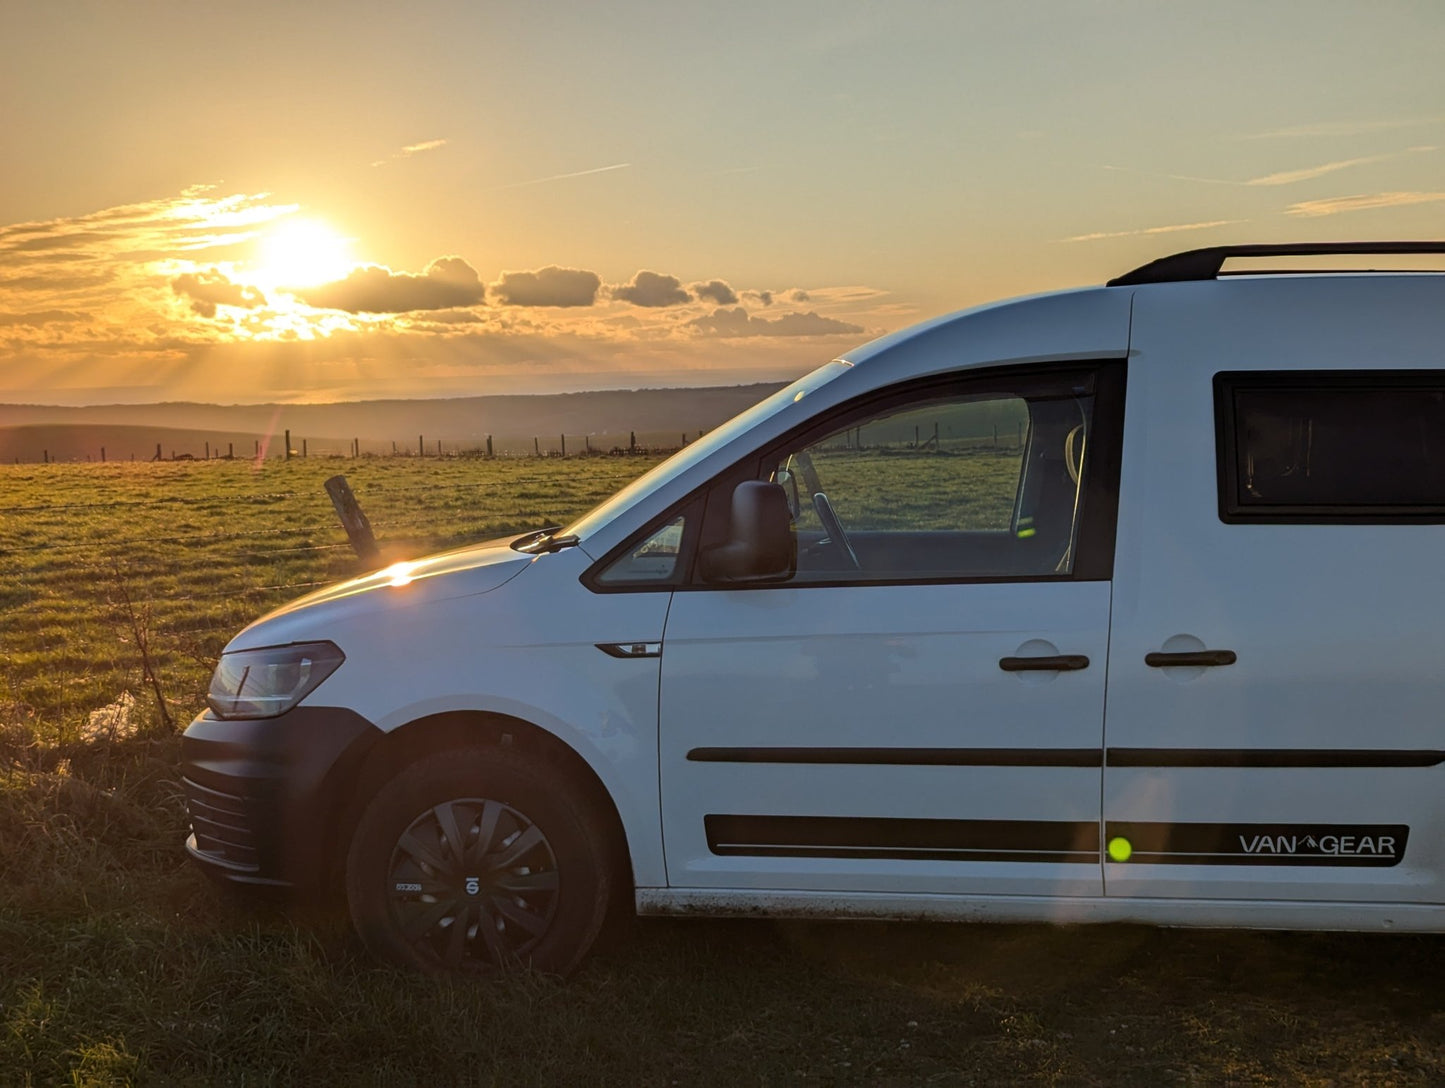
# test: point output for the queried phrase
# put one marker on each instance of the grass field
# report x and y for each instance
(119, 963)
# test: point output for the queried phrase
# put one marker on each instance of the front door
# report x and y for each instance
(920, 708)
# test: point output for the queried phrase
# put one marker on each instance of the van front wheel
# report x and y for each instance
(478, 860)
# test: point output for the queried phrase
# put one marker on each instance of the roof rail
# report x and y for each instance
(1204, 264)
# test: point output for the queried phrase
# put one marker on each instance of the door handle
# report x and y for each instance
(1057, 663)
(1194, 659)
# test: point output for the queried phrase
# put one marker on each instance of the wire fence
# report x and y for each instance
(95, 445)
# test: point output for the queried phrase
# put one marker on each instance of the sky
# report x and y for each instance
(338, 201)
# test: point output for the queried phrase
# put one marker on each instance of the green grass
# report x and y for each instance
(119, 963)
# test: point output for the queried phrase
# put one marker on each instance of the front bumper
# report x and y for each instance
(266, 798)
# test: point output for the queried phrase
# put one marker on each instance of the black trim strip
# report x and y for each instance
(907, 757)
(1078, 757)
(1348, 845)
(1273, 757)
(903, 839)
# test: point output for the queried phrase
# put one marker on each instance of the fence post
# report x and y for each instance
(102, 455)
(632, 444)
(536, 448)
(358, 528)
(230, 451)
(420, 446)
(157, 457)
(303, 448)
(587, 441)
(564, 445)
(288, 445)
(46, 454)
(439, 447)
(489, 445)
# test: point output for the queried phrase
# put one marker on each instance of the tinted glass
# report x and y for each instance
(950, 487)
(1345, 445)
(653, 560)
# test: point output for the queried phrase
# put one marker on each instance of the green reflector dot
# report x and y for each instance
(1023, 533)
(1120, 849)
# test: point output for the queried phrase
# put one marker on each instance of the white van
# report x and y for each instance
(1119, 604)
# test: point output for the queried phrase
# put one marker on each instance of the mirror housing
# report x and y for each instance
(761, 544)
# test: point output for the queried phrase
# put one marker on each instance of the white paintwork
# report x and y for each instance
(879, 667)
(1337, 627)
(1337, 631)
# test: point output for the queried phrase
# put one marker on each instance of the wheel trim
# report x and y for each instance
(473, 882)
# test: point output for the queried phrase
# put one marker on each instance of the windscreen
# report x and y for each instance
(714, 440)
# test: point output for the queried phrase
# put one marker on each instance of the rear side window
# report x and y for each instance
(1331, 446)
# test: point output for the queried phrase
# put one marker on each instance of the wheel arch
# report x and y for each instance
(473, 729)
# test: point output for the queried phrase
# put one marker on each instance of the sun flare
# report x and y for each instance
(301, 253)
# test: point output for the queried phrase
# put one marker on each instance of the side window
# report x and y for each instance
(652, 561)
(1323, 446)
(944, 485)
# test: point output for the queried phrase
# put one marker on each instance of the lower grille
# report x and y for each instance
(222, 825)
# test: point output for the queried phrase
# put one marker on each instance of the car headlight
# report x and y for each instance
(268, 682)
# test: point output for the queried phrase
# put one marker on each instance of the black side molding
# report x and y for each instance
(907, 757)
(903, 839)
(1273, 757)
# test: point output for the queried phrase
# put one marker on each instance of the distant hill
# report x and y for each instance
(658, 417)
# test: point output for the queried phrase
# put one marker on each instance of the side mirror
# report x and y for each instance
(761, 546)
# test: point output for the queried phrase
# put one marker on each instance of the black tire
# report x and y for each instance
(532, 884)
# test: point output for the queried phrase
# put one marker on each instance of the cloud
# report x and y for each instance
(1362, 202)
(41, 317)
(550, 286)
(411, 149)
(652, 289)
(765, 297)
(559, 177)
(1346, 128)
(738, 322)
(73, 240)
(52, 283)
(715, 291)
(207, 290)
(1154, 230)
(1289, 177)
(448, 282)
(797, 294)
(1283, 177)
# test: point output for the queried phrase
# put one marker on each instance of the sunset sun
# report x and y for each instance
(301, 253)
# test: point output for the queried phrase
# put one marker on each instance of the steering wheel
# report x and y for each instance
(831, 525)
